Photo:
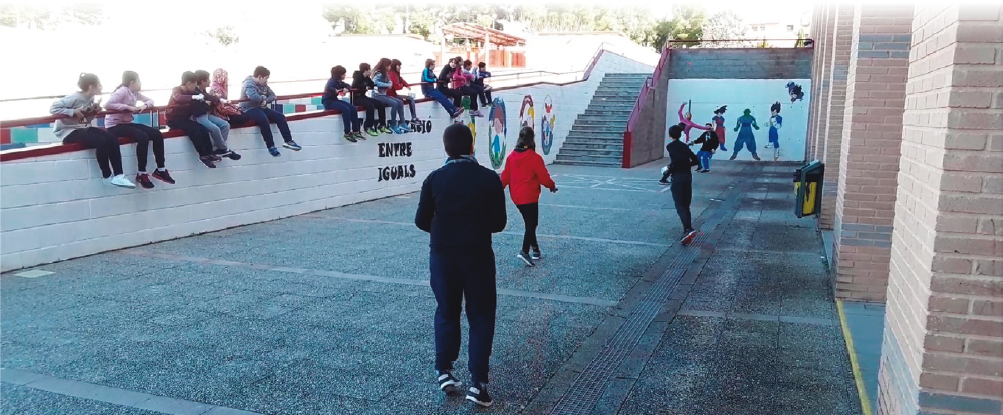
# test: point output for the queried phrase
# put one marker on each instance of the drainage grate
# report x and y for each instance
(586, 390)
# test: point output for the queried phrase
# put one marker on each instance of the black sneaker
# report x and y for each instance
(756, 157)
(664, 182)
(163, 176)
(536, 255)
(233, 155)
(525, 258)
(448, 383)
(732, 156)
(479, 394)
(350, 137)
(222, 153)
(705, 171)
(688, 236)
(207, 160)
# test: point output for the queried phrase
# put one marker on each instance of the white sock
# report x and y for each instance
(141, 172)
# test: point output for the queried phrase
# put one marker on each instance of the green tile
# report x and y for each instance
(23, 135)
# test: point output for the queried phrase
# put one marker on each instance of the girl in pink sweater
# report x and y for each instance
(125, 101)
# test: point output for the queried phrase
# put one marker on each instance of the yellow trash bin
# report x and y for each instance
(808, 188)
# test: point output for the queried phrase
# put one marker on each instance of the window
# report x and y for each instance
(790, 28)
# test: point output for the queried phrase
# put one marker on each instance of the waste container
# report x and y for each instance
(808, 189)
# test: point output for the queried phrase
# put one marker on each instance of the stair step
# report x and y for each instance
(592, 146)
(613, 111)
(589, 164)
(609, 141)
(588, 134)
(601, 119)
(599, 159)
(592, 153)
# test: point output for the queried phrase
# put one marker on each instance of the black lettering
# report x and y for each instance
(412, 170)
(428, 126)
(379, 174)
(409, 153)
(386, 173)
(383, 152)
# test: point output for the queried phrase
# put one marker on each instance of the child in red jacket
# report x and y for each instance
(524, 173)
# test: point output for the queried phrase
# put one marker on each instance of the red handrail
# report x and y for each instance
(650, 83)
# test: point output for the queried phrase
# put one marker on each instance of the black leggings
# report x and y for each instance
(105, 145)
(530, 215)
(198, 135)
(142, 135)
(371, 106)
(472, 92)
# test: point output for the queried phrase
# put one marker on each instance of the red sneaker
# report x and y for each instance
(690, 235)
(144, 180)
(163, 176)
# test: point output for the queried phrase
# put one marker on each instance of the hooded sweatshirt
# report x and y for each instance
(220, 83)
(180, 105)
(461, 78)
(382, 82)
(120, 100)
(398, 84)
(256, 95)
(708, 141)
(332, 88)
(525, 172)
(65, 106)
(360, 84)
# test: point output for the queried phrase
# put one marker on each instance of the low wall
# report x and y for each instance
(55, 207)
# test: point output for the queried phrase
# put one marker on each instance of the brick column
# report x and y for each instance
(869, 156)
(840, 43)
(943, 338)
(820, 78)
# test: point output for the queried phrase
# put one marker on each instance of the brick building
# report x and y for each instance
(909, 121)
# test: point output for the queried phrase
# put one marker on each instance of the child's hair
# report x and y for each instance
(382, 66)
(188, 77)
(364, 67)
(675, 132)
(775, 107)
(527, 138)
(721, 110)
(201, 76)
(87, 80)
(338, 71)
(128, 77)
(394, 64)
(429, 62)
(482, 65)
(466, 62)
(262, 71)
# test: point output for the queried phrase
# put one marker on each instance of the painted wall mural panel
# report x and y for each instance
(756, 118)
(499, 129)
(547, 125)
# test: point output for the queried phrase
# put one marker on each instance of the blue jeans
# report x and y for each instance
(705, 157)
(349, 114)
(433, 93)
(263, 117)
(219, 129)
(455, 276)
(396, 107)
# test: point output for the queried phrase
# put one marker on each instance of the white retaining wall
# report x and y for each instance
(56, 207)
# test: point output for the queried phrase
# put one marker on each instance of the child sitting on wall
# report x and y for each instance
(126, 100)
(219, 129)
(429, 90)
(398, 84)
(335, 87)
(255, 95)
(179, 117)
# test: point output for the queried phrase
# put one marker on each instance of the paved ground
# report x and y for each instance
(866, 322)
(330, 313)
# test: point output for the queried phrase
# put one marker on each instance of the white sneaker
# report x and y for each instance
(121, 181)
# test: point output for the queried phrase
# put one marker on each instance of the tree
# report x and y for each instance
(725, 26)
(224, 35)
(686, 26)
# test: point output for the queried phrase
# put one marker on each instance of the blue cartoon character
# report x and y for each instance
(547, 125)
(776, 121)
(745, 138)
(498, 128)
(794, 90)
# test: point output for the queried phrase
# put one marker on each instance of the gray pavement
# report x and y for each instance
(330, 312)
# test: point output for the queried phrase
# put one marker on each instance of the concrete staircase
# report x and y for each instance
(596, 137)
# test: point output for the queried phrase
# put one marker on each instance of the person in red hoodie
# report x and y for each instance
(398, 84)
(524, 173)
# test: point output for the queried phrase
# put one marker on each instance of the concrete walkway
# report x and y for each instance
(330, 313)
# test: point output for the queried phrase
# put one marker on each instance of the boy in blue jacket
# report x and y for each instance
(349, 113)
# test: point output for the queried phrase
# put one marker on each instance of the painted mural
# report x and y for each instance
(498, 131)
(527, 114)
(547, 125)
(758, 126)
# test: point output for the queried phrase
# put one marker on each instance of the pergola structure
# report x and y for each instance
(485, 35)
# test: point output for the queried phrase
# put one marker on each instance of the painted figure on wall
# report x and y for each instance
(527, 113)
(745, 138)
(776, 121)
(496, 120)
(794, 90)
(685, 120)
(547, 125)
(718, 120)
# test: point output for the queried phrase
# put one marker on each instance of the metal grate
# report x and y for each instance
(586, 390)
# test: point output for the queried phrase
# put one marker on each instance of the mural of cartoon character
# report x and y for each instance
(746, 138)
(499, 128)
(547, 125)
(794, 90)
(687, 124)
(718, 120)
(776, 121)
(527, 113)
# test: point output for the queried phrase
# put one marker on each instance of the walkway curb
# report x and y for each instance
(865, 403)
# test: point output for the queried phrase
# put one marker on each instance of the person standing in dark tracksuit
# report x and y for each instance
(461, 205)
(682, 161)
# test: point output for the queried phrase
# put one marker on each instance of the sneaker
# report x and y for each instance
(688, 237)
(222, 153)
(358, 135)
(536, 255)
(705, 171)
(207, 160)
(476, 113)
(664, 182)
(121, 181)
(163, 176)
(479, 394)
(400, 129)
(448, 383)
(292, 145)
(274, 151)
(234, 156)
(385, 130)
(372, 132)
(457, 113)
(351, 137)
(756, 157)
(733, 156)
(525, 258)
(144, 180)
(214, 158)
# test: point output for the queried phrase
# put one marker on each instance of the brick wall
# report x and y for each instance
(824, 25)
(831, 132)
(648, 137)
(754, 63)
(943, 348)
(869, 150)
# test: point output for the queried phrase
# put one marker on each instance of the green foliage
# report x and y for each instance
(725, 25)
(224, 35)
(686, 26)
(45, 17)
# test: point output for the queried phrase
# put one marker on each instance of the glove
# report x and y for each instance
(198, 97)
